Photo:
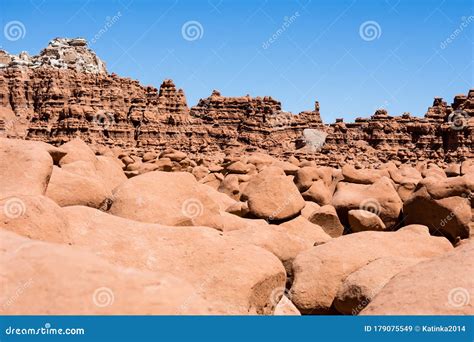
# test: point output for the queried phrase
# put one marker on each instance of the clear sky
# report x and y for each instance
(353, 56)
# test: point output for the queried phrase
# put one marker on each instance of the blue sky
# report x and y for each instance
(399, 62)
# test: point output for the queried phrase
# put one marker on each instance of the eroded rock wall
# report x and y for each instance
(66, 92)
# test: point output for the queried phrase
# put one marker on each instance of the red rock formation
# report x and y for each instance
(66, 92)
(253, 122)
(443, 134)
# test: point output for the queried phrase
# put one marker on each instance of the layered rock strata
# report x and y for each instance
(66, 92)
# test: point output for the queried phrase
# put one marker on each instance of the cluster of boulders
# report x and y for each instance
(93, 230)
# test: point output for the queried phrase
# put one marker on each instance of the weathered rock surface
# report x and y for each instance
(39, 283)
(379, 198)
(275, 198)
(311, 233)
(320, 271)
(36, 217)
(361, 286)
(25, 168)
(327, 218)
(449, 216)
(274, 239)
(162, 197)
(444, 286)
(68, 188)
(319, 193)
(222, 270)
(362, 220)
(77, 150)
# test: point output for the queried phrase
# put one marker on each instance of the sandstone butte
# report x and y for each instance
(117, 198)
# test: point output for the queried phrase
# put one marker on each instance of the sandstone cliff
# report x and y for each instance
(66, 92)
